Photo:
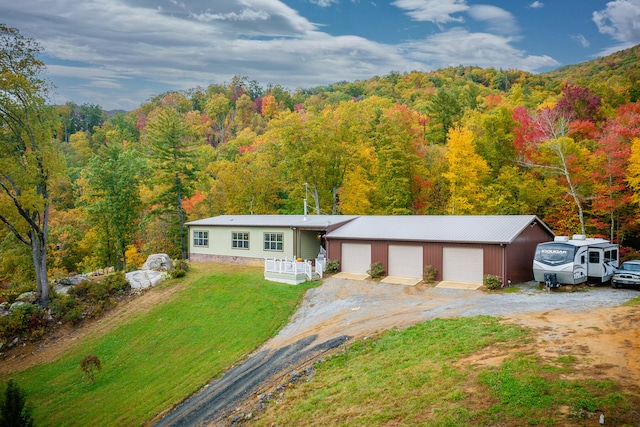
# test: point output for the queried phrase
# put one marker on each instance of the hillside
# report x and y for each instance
(619, 72)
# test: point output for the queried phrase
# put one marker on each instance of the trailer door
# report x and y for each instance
(595, 267)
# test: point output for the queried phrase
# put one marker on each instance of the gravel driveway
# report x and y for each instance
(341, 310)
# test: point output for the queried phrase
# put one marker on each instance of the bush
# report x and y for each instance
(66, 308)
(25, 321)
(13, 409)
(175, 273)
(89, 365)
(333, 266)
(492, 282)
(180, 268)
(430, 273)
(116, 283)
(13, 292)
(376, 270)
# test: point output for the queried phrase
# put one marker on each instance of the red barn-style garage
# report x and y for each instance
(461, 248)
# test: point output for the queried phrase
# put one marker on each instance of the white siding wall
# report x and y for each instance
(220, 242)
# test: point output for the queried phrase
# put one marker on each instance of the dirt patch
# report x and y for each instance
(64, 338)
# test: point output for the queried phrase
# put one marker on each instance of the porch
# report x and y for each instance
(292, 271)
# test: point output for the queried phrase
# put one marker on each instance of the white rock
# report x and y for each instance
(141, 279)
(160, 262)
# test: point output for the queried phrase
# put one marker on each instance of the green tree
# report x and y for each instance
(395, 142)
(173, 161)
(29, 157)
(445, 110)
(14, 411)
(113, 197)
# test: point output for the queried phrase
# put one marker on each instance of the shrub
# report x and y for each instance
(66, 308)
(89, 365)
(492, 282)
(176, 273)
(16, 324)
(13, 292)
(116, 283)
(13, 408)
(333, 266)
(376, 270)
(430, 273)
(180, 268)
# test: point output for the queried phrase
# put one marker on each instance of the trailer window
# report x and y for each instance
(611, 255)
(594, 257)
(554, 254)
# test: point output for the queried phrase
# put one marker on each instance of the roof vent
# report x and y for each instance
(579, 237)
(561, 239)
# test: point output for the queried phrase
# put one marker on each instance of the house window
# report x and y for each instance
(239, 240)
(200, 238)
(272, 241)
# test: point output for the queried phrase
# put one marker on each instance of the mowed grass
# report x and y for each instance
(426, 376)
(157, 358)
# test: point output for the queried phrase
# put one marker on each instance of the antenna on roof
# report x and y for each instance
(305, 200)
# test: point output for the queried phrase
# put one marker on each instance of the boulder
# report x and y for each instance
(141, 279)
(28, 297)
(70, 281)
(158, 262)
(18, 304)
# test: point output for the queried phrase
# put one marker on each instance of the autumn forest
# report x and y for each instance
(563, 145)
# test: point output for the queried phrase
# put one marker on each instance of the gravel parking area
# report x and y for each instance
(342, 310)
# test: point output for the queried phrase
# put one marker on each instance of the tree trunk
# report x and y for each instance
(183, 247)
(39, 256)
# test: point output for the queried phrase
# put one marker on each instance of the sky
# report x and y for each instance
(120, 53)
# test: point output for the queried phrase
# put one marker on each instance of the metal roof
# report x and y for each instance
(438, 228)
(315, 222)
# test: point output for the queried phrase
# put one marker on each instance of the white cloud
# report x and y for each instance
(118, 53)
(436, 11)
(244, 15)
(460, 47)
(620, 20)
(499, 20)
(536, 5)
(581, 39)
(324, 3)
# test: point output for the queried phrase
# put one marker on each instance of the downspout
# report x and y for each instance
(504, 267)
(295, 242)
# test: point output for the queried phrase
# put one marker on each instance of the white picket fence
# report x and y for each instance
(294, 267)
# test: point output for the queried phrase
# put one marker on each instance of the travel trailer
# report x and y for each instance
(572, 261)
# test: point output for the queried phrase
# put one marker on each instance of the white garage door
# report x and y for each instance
(405, 261)
(356, 258)
(462, 265)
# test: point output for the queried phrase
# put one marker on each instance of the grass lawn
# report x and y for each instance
(158, 357)
(415, 377)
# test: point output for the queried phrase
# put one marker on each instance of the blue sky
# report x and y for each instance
(119, 53)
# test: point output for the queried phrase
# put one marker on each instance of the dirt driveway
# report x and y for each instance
(589, 322)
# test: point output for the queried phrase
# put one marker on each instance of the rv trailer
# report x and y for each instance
(572, 261)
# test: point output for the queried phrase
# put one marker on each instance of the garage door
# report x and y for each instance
(405, 261)
(462, 265)
(356, 258)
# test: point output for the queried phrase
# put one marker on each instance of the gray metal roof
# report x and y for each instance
(319, 222)
(438, 228)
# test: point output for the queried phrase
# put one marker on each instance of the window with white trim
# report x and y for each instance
(273, 241)
(200, 238)
(239, 240)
